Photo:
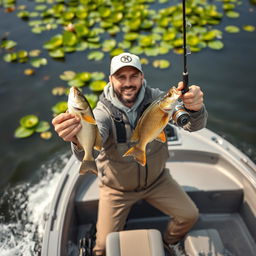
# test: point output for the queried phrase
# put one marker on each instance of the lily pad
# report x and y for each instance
(84, 76)
(34, 53)
(69, 38)
(58, 53)
(232, 29)
(216, 45)
(38, 62)
(97, 85)
(42, 126)
(233, 14)
(46, 135)
(96, 55)
(161, 64)
(29, 121)
(22, 132)
(68, 75)
(60, 107)
(98, 75)
(9, 57)
(249, 28)
(108, 45)
(76, 82)
(29, 72)
(59, 90)
(8, 44)
(92, 99)
(54, 42)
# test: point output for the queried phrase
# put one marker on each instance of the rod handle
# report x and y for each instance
(185, 81)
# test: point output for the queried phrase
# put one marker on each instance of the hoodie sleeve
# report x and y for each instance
(198, 120)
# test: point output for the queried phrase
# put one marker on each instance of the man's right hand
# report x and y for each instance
(67, 126)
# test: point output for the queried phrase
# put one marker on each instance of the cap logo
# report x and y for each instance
(126, 59)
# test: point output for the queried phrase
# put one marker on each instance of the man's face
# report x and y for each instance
(126, 83)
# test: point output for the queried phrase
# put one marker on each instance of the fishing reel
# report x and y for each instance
(180, 116)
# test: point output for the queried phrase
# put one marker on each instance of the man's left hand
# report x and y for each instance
(193, 99)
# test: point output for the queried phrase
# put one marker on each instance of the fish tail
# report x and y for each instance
(88, 166)
(138, 154)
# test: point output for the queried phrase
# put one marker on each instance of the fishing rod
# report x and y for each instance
(185, 70)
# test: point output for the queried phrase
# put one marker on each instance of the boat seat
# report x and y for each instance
(143, 242)
(204, 242)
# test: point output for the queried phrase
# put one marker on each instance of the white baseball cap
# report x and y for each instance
(123, 60)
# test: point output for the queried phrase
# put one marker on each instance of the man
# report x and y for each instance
(122, 180)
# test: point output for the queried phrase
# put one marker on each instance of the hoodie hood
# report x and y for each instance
(130, 112)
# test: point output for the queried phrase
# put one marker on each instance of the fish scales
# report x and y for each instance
(151, 125)
(88, 137)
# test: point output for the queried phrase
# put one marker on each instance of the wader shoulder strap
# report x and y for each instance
(117, 117)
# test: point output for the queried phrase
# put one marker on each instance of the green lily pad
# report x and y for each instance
(96, 55)
(29, 121)
(84, 76)
(58, 53)
(34, 53)
(60, 107)
(81, 46)
(68, 15)
(42, 126)
(38, 62)
(249, 28)
(131, 36)
(68, 75)
(22, 132)
(98, 75)
(97, 85)
(216, 45)
(210, 35)
(23, 14)
(116, 51)
(69, 38)
(9, 57)
(233, 14)
(76, 82)
(108, 45)
(151, 51)
(146, 41)
(8, 44)
(161, 64)
(81, 30)
(136, 50)
(125, 44)
(232, 29)
(54, 42)
(92, 99)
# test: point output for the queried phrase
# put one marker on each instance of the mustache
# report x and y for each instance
(128, 87)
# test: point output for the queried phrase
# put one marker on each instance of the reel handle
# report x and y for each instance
(185, 81)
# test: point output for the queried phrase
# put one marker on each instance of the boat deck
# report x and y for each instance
(217, 194)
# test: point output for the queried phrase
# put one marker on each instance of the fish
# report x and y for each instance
(88, 137)
(151, 125)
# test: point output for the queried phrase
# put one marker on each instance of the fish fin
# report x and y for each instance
(138, 154)
(161, 137)
(89, 119)
(98, 140)
(88, 166)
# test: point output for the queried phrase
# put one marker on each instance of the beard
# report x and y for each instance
(124, 97)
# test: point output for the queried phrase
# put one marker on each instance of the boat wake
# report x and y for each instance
(23, 207)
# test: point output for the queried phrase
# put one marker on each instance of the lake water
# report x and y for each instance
(30, 168)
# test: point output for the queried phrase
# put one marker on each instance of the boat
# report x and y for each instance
(219, 178)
